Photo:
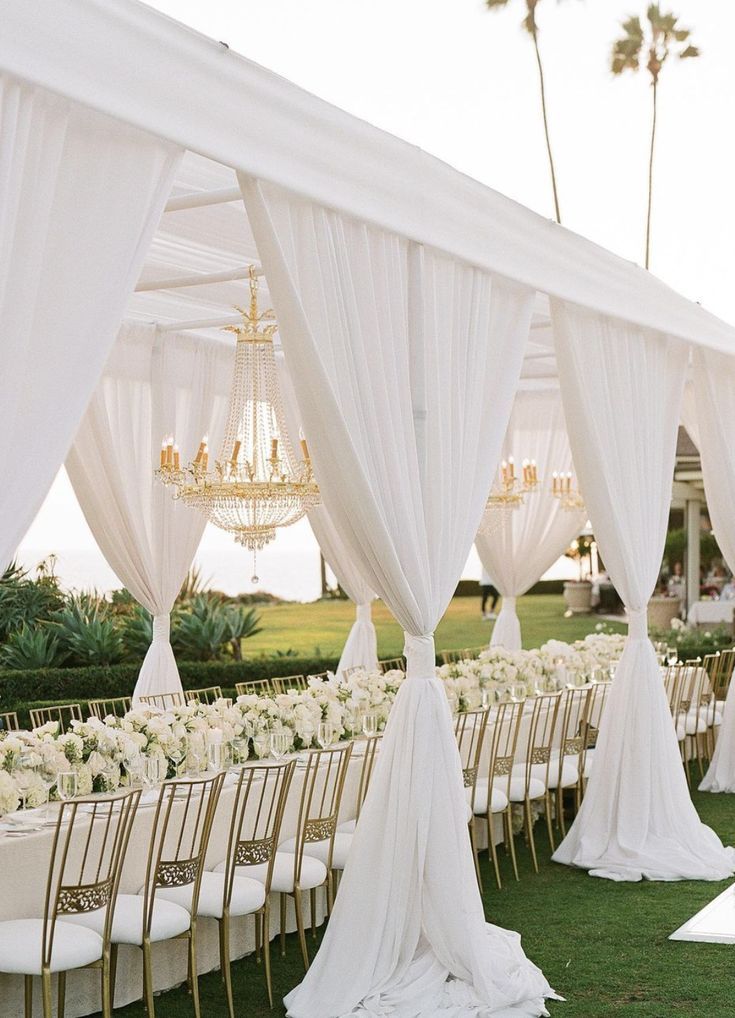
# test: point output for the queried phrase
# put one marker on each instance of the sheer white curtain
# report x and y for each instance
(532, 537)
(404, 364)
(712, 427)
(80, 196)
(622, 388)
(361, 646)
(154, 384)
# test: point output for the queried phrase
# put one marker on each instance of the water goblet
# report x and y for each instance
(240, 750)
(370, 723)
(25, 777)
(154, 771)
(215, 756)
(66, 785)
(325, 734)
(280, 742)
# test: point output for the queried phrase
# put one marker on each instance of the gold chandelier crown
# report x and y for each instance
(258, 484)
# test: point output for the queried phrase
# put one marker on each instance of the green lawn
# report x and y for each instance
(322, 626)
(602, 945)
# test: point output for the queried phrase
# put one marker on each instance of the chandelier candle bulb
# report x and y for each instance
(163, 453)
(177, 458)
(304, 450)
(236, 452)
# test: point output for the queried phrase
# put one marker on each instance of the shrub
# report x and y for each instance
(31, 649)
(24, 601)
(88, 632)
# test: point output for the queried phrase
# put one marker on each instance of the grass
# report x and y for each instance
(602, 945)
(322, 626)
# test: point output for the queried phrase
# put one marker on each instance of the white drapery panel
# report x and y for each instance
(404, 364)
(361, 646)
(713, 430)
(154, 384)
(80, 197)
(622, 388)
(532, 537)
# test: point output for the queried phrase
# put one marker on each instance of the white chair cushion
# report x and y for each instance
(689, 724)
(20, 946)
(169, 920)
(313, 872)
(320, 849)
(348, 827)
(536, 788)
(248, 895)
(569, 775)
(498, 798)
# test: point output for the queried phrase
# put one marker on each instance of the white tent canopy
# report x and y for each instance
(402, 289)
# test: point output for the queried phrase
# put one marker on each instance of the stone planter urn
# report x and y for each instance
(578, 596)
(661, 610)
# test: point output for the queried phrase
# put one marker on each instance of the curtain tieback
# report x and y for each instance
(509, 604)
(363, 612)
(162, 627)
(637, 623)
(420, 656)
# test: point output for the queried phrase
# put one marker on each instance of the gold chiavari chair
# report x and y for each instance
(721, 683)
(207, 696)
(672, 681)
(319, 676)
(688, 723)
(259, 687)
(286, 683)
(567, 771)
(449, 657)
(63, 713)
(166, 907)
(701, 717)
(532, 774)
(391, 664)
(117, 706)
(87, 853)
(469, 731)
(9, 721)
(255, 826)
(371, 747)
(493, 794)
(307, 861)
(163, 701)
(595, 710)
(353, 671)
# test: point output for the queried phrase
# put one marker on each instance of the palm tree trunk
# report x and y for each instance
(650, 178)
(546, 122)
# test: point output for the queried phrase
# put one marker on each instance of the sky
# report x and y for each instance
(461, 82)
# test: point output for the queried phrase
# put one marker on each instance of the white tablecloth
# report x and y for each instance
(711, 613)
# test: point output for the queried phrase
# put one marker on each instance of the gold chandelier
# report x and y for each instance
(257, 484)
(508, 493)
(563, 488)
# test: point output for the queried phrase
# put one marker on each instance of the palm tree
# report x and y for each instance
(529, 24)
(660, 39)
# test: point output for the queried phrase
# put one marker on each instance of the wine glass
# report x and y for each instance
(325, 734)
(240, 750)
(25, 776)
(215, 756)
(369, 724)
(66, 785)
(279, 744)
(154, 770)
(176, 754)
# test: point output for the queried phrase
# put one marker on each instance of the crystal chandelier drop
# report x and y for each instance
(563, 488)
(257, 484)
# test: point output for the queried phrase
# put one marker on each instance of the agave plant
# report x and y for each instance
(661, 38)
(24, 601)
(136, 629)
(209, 627)
(32, 647)
(530, 25)
(89, 632)
(242, 624)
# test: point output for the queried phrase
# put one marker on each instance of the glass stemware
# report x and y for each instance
(66, 785)
(240, 751)
(154, 771)
(325, 734)
(279, 744)
(25, 777)
(369, 723)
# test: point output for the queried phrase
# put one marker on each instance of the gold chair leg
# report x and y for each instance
(266, 918)
(493, 850)
(330, 892)
(194, 978)
(113, 973)
(511, 844)
(48, 1007)
(28, 996)
(148, 980)
(312, 910)
(283, 925)
(300, 926)
(549, 821)
(475, 854)
(105, 987)
(61, 991)
(224, 960)
(561, 824)
(529, 834)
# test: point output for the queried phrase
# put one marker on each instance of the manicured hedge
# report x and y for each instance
(71, 685)
(471, 588)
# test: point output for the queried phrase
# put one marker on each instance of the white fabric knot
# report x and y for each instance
(509, 604)
(420, 656)
(162, 627)
(363, 612)
(637, 623)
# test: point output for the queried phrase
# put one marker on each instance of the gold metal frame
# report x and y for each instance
(163, 701)
(539, 746)
(64, 713)
(255, 827)
(504, 728)
(285, 683)
(572, 744)
(208, 695)
(9, 721)
(390, 664)
(116, 706)
(259, 687)
(469, 731)
(92, 845)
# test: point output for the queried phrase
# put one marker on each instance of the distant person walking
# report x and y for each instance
(488, 590)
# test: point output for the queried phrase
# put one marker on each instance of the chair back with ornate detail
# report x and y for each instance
(469, 730)
(372, 746)
(62, 713)
(672, 681)
(392, 664)
(321, 796)
(537, 746)
(116, 706)
(87, 854)
(207, 696)
(9, 721)
(163, 701)
(179, 839)
(572, 727)
(257, 687)
(504, 726)
(721, 681)
(255, 823)
(285, 683)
